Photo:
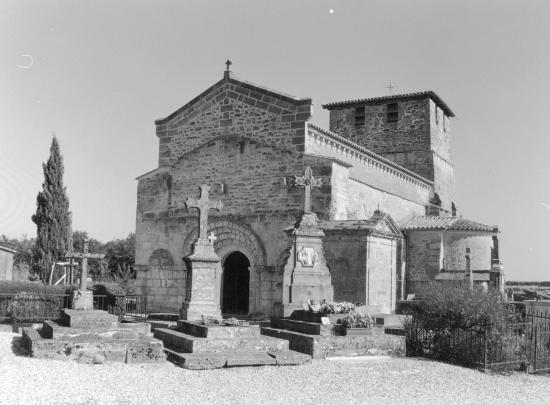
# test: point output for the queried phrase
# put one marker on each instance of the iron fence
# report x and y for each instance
(513, 346)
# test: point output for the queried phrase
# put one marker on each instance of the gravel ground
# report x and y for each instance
(378, 380)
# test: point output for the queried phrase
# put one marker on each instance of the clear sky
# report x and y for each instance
(103, 71)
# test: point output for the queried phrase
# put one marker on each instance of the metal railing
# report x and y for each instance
(513, 346)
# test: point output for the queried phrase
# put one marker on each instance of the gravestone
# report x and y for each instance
(82, 298)
(201, 295)
(307, 276)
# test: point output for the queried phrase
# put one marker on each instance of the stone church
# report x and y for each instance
(384, 198)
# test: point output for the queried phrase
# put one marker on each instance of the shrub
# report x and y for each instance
(14, 287)
(456, 305)
(31, 307)
(357, 320)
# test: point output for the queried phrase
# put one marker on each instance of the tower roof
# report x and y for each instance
(397, 97)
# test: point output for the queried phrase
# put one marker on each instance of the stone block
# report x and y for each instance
(194, 361)
(88, 318)
(250, 359)
(218, 331)
(145, 350)
(83, 300)
(290, 358)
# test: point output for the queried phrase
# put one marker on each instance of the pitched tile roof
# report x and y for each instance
(396, 97)
(430, 222)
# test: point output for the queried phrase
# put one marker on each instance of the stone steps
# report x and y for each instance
(374, 342)
(206, 361)
(310, 328)
(186, 343)
(217, 331)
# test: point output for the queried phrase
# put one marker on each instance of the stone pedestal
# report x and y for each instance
(83, 299)
(307, 276)
(201, 295)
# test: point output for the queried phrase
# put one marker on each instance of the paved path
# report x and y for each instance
(346, 381)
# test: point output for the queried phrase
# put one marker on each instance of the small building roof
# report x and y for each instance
(379, 222)
(7, 249)
(432, 222)
(397, 97)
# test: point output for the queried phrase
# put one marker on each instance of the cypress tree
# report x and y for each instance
(52, 218)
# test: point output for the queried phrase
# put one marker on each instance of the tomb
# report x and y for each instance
(87, 335)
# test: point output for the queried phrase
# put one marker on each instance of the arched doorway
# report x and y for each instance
(235, 284)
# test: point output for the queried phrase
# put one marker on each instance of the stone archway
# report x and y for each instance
(235, 287)
(236, 237)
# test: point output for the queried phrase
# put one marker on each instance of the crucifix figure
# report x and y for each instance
(307, 181)
(227, 64)
(84, 256)
(204, 205)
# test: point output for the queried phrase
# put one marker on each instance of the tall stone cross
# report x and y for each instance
(307, 181)
(204, 205)
(84, 256)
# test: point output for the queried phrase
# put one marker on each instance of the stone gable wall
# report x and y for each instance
(233, 108)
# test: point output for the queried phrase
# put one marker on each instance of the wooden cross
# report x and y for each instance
(227, 64)
(307, 181)
(390, 87)
(204, 205)
(84, 256)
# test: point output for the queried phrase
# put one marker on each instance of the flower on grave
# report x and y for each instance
(231, 322)
(357, 320)
(337, 308)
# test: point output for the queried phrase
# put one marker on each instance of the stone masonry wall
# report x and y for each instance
(425, 258)
(346, 256)
(253, 180)
(367, 167)
(456, 243)
(423, 255)
(233, 107)
(363, 200)
(406, 142)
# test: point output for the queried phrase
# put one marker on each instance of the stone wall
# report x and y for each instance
(455, 247)
(430, 251)
(6, 265)
(424, 259)
(346, 257)
(362, 200)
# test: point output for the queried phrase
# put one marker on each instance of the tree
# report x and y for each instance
(52, 218)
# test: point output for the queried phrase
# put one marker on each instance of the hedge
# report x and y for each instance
(15, 287)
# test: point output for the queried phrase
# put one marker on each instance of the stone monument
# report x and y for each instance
(307, 276)
(202, 295)
(82, 298)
